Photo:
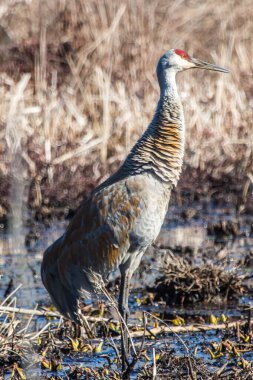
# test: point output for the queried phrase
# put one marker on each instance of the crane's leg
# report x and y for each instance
(127, 269)
(124, 311)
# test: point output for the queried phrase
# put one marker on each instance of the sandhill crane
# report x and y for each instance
(123, 216)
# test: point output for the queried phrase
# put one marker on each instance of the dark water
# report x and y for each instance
(20, 264)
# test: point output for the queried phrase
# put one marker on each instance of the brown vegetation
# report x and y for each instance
(173, 368)
(78, 86)
(24, 349)
(182, 283)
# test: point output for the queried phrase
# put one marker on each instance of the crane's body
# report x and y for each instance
(123, 216)
(106, 233)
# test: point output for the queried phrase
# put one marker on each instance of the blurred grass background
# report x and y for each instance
(78, 87)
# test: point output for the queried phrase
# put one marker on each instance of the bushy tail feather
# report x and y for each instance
(64, 298)
(67, 304)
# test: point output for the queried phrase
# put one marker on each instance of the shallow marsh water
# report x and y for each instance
(21, 257)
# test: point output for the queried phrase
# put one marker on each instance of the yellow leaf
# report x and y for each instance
(75, 344)
(116, 360)
(58, 367)
(46, 364)
(213, 354)
(224, 318)
(87, 348)
(138, 301)
(245, 364)
(213, 320)
(235, 351)
(178, 321)
(55, 365)
(157, 356)
(99, 347)
(217, 347)
(88, 371)
(21, 373)
(156, 324)
(39, 341)
(114, 327)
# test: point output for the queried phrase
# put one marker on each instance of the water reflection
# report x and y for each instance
(21, 263)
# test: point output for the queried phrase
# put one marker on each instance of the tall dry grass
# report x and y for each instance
(93, 89)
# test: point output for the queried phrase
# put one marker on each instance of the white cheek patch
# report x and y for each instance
(181, 62)
(187, 64)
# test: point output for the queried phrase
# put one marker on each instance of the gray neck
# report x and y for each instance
(167, 83)
(160, 149)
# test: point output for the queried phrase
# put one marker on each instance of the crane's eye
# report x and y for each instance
(182, 54)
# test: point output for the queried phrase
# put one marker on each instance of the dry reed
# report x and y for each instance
(93, 89)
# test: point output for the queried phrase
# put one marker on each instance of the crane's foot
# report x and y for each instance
(124, 346)
(124, 311)
(124, 356)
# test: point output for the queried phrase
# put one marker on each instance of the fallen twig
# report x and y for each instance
(185, 329)
(134, 334)
(19, 310)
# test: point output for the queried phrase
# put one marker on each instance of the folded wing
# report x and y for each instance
(92, 247)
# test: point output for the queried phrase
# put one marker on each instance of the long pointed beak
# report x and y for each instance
(208, 66)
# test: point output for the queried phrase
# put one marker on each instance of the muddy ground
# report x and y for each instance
(199, 272)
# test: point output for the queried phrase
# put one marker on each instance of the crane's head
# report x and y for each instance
(176, 60)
